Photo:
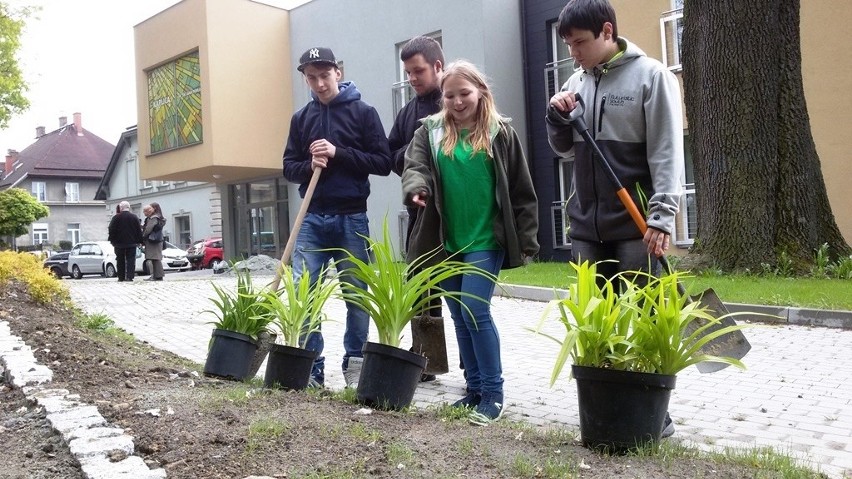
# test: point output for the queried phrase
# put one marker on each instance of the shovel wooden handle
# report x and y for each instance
(291, 241)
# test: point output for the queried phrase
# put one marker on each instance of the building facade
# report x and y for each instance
(61, 169)
(241, 57)
(192, 209)
(217, 85)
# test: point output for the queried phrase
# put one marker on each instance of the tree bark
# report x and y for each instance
(759, 187)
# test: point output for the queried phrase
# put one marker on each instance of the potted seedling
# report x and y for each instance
(628, 337)
(394, 292)
(240, 322)
(296, 311)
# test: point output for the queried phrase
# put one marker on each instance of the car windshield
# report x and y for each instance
(167, 245)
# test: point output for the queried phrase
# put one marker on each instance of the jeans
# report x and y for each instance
(320, 232)
(479, 341)
(629, 255)
(125, 263)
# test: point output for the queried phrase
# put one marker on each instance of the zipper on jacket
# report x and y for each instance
(598, 77)
(600, 115)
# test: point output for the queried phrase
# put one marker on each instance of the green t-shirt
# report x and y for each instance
(469, 200)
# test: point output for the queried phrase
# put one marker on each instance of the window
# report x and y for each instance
(39, 233)
(557, 72)
(40, 191)
(671, 33)
(183, 229)
(686, 221)
(73, 233)
(130, 178)
(565, 171)
(72, 192)
(147, 184)
(174, 103)
(164, 184)
(401, 90)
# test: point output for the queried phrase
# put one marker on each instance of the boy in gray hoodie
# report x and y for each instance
(633, 111)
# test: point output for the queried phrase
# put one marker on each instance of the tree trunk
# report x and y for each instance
(758, 180)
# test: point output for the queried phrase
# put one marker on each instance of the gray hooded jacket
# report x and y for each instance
(633, 111)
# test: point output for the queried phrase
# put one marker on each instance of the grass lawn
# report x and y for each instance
(801, 292)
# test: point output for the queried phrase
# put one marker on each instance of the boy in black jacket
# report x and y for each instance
(423, 59)
(343, 135)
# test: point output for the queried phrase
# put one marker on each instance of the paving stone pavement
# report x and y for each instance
(795, 396)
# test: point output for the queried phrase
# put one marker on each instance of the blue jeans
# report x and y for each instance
(320, 232)
(479, 341)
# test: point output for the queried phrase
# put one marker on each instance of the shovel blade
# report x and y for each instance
(733, 344)
(428, 339)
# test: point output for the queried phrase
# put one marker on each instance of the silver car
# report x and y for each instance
(96, 257)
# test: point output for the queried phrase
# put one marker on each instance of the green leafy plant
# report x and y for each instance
(821, 262)
(842, 268)
(644, 328)
(395, 291)
(296, 308)
(241, 311)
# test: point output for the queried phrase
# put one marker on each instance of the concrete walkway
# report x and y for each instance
(795, 396)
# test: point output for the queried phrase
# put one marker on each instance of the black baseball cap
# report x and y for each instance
(317, 55)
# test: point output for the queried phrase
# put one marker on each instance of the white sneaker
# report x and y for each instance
(353, 372)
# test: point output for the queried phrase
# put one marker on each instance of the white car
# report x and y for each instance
(174, 258)
(98, 257)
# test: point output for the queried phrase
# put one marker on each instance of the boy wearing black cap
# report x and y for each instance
(343, 135)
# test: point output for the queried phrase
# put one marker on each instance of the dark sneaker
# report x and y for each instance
(425, 378)
(490, 409)
(668, 427)
(314, 384)
(470, 401)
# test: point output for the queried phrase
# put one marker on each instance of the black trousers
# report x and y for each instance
(125, 263)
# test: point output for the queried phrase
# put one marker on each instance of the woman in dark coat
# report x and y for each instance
(153, 228)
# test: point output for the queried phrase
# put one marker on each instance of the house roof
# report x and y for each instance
(63, 153)
(126, 138)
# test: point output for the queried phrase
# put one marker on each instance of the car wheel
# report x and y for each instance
(56, 272)
(214, 263)
(110, 271)
(145, 271)
(76, 273)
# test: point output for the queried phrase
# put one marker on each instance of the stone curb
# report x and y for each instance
(82, 427)
(762, 314)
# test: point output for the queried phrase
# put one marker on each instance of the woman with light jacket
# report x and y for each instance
(152, 233)
(466, 169)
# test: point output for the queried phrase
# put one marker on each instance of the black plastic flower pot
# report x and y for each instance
(389, 376)
(621, 411)
(288, 367)
(230, 355)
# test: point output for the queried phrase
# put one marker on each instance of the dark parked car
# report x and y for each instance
(58, 264)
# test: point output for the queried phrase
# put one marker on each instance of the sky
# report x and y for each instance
(77, 56)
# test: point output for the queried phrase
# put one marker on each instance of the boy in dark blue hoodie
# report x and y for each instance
(343, 135)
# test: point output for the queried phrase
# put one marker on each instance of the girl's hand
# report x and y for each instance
(420, 198)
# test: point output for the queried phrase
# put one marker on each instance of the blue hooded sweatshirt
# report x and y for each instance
(356, 131)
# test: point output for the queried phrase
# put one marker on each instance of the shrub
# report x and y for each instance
(43, 287)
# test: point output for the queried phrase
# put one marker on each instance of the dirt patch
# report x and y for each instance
(197, 427)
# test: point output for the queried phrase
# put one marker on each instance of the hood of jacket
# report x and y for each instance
(630, 53)
(347, 92)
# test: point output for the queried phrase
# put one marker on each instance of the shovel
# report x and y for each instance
(297, 225)
(733, 344)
